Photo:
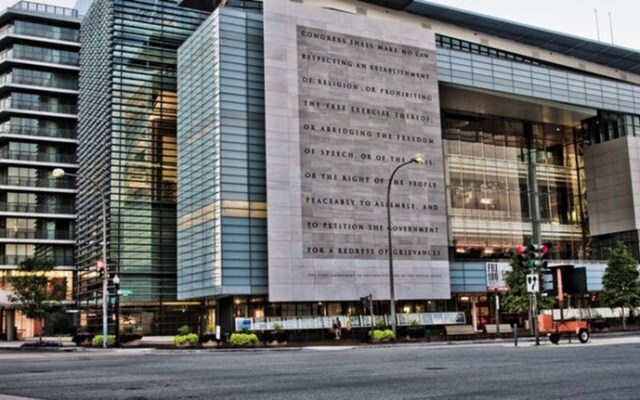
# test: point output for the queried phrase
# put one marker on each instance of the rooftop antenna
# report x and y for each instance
(597, 24)
(611, 27)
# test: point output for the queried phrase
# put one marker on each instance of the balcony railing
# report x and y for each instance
(53, 82)
(62, 133)
(41, 157)
(37, 182)
(44, 8)
(65, 35)
(35, 234)
(36, 208)
(51, 58)
(37, 106)
(15, 260)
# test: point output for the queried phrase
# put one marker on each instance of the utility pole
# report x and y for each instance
(535, 216)
(497, 313)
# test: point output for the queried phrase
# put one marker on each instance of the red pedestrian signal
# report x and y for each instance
(522, 256)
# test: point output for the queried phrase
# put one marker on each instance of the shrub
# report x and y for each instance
(184, 330)
(275, 336)
(129, 337)
(129, 328)
(382, 335)
(191, 339)
(380, 325)
(97, 340)
(243, 339)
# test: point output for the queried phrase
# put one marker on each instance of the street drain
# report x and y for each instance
(435, 369)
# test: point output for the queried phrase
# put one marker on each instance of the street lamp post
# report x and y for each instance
(116, 283)
(60, 173)
(417, 159)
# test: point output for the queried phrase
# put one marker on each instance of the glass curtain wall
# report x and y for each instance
(138, 154)
(488, 191)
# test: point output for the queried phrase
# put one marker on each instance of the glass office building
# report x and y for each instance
(222, 198)
(38, 119)
(127, 136)
(526, 116)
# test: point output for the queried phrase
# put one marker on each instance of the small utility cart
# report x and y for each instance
(556, 329)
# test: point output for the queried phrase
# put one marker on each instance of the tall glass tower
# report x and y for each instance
(127, 136)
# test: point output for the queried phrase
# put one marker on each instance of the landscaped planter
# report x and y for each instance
(185, 341)
(82, 339)
(209, 340)
(276, 338)
(210, 344)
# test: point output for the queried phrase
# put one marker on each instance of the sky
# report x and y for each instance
(574, 17)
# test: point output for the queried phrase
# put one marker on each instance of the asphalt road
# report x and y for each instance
(600, 369)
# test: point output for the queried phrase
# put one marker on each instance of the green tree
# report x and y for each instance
(620, 285)
(516, 299)
(33, 293)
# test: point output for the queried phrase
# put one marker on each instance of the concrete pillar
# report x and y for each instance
(11, 323)
(474, 313)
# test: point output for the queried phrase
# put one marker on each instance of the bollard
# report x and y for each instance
(515, 335)
(427, 335)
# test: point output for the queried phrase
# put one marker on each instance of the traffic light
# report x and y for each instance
(112, 305)
(366, 301)
(101, 267)
(537, 256)
(523, 259)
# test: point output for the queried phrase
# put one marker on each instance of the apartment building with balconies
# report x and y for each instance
(39, 66)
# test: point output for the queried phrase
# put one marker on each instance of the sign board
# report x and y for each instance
(496, 276)
(533, 283)
(348, 99)
(125, 292)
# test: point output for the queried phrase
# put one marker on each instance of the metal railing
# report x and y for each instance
(36, 208)
(67, 36)
(31, 131)
(45, 9)
(40, 31)
(41, 157)
(37, 106)
(36, 182)
(15, 260)
(35, 234)
(54, 83)
(47, 57)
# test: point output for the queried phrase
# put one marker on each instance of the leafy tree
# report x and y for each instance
(621, 287)
(33, 292)
(516, 299)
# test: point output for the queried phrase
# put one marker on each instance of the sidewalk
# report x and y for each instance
(166, 343)
(66, 343)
